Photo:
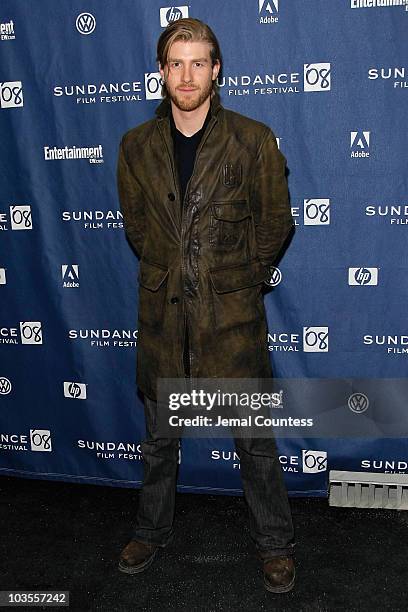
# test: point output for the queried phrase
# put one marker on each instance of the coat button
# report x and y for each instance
(174, 299)
(171, 197)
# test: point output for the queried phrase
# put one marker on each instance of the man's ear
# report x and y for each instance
(215, 70)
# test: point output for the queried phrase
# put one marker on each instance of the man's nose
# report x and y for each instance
(187, 73)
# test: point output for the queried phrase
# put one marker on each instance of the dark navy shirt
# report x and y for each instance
(185, 149)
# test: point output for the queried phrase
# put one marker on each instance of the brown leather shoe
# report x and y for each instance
(136, 557)
(279, 574)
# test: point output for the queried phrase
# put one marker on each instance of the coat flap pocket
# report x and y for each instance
(234, 210)
(151, 275)
(238, 277)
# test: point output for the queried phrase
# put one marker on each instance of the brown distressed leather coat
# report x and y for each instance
(203, 263)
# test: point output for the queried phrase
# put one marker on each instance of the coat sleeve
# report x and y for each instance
(269, 200)
(131, 203)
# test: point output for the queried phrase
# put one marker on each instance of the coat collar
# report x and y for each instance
(164, 108)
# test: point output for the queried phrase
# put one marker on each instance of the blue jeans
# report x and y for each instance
(270, 519)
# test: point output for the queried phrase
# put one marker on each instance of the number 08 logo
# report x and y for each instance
(11, 94)
(317, 77)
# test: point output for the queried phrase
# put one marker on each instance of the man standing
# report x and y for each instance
(205, 205)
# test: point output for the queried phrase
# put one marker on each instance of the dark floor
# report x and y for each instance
(69, 536)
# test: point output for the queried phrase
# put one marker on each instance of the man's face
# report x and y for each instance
(189, 74)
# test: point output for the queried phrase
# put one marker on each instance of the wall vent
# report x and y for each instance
(368, 490)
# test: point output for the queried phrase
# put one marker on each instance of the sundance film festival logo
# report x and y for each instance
(268, 11)
(70, 275)
(169, 14)
(102, 92)
(314, 461)
(5, 385)
(360, 143)
(394, 344)
(85, 23)
(395, 214)
(95, 219)
(275, 278)
(3, 280)
(153, 85)
(40, 440)
(388, 466)
(358, 403)
(102, 338)
(20, 218)
(363, 276)
(75, 390)
(316, 78)
(398, 77)
(11, 94)
(7, 31)
(315, 340)
(112, 450)
(31, 332)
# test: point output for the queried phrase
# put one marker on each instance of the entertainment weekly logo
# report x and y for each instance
(7, 30)
(93, 154)
(310, 462)
(313, 340)
(363, 4)
(315, 77)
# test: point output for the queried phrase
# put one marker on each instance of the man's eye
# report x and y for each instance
(198, 64)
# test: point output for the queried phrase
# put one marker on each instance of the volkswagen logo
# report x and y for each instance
(85, 23)
(275, 278)
(5, 385)
(358, 402)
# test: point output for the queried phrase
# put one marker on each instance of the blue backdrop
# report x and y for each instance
(330, 77)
